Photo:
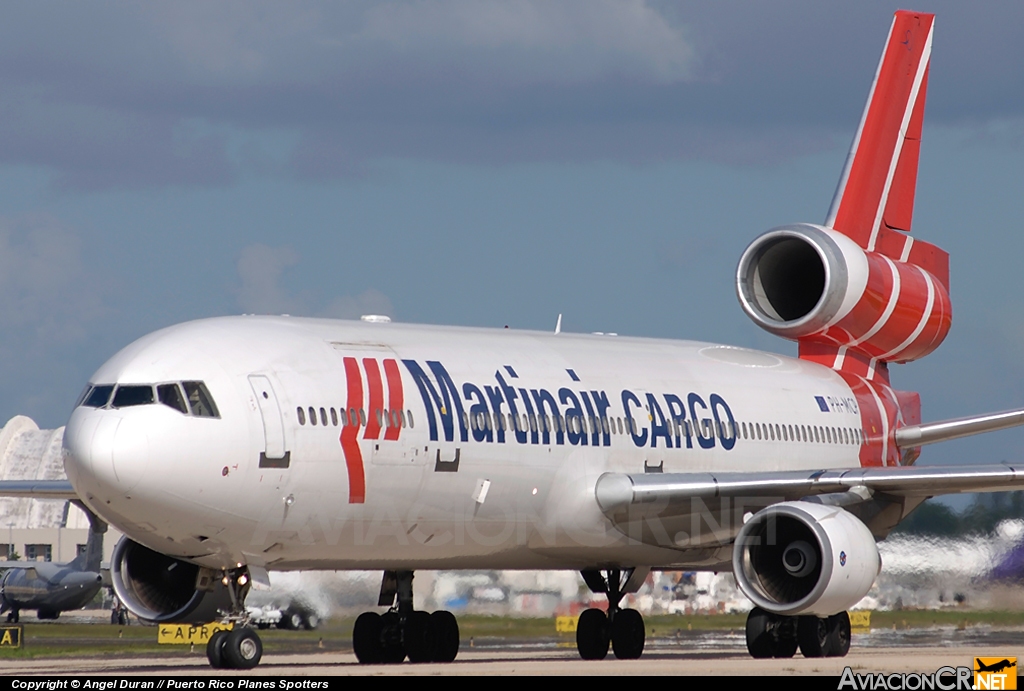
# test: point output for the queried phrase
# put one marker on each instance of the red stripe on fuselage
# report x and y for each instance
(376, 403)
(350, 435)
(396, 399)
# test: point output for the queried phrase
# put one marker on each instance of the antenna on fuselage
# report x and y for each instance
(558, 325)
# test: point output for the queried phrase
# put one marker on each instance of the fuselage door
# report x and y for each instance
(270, 411)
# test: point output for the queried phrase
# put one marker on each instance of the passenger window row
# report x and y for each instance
(187, 397)
(590, 425)
(543, 423)
(706, 428)
(353, 417)
(801, 433)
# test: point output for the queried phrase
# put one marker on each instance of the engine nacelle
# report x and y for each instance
(164, 589)
(802, 558)
(810, 283)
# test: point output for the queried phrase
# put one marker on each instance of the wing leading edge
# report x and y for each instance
(617, 492)
(38, 489)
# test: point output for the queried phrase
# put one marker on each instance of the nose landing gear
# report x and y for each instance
(623, 629)
(402, 631)
(239, 647)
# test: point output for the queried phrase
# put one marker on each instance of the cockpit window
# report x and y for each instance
(99, 396)
(84, 395)
(170, 395)
(199, 399)
(132, 395)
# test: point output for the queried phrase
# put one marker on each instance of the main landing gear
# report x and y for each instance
(622, 628)
(775, 635)
(239, 647)
(402, 631)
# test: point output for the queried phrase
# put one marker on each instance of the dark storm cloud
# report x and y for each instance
(124, 94)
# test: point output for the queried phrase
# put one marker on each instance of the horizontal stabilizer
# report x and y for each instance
(934, 432)
(38, 489)
(618, 492)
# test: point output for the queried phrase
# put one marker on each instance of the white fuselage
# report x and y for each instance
(261, 484)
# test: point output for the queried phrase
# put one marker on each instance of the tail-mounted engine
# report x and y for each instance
(163, 589)
(802, 558)
(815, 285)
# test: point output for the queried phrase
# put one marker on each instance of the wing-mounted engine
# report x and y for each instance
(164, 589)
(802, 558)
(815, 285)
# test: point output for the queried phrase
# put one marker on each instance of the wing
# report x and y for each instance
(38, 489)
(695, 510)
(618, 491)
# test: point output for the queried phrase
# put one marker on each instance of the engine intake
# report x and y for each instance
(803, 558)
(164, 589)
(806, 282)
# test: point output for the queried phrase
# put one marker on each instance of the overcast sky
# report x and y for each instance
(478, 162)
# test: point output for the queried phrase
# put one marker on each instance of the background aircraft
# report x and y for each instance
(47, 587)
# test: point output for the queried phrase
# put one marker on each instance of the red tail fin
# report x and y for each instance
(876, 190)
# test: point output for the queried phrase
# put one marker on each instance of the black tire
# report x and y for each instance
(419, 638)
(47, 614)
(592, 635)
(366, 639)
(628, 634)
(813, 634)
(310, 621)
(215, 649)
(242, 648)
(446, 636)
(762, 639)
(391, 638)
(786, 637)
(839, 635)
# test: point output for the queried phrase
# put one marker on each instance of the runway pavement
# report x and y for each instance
(557, 661)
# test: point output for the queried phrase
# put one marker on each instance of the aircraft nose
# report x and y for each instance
(89, 451)
(104, 454)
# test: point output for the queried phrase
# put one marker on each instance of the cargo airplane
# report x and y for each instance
(44, 586)
(227, 447)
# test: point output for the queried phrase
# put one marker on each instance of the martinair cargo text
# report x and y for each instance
(228, 447)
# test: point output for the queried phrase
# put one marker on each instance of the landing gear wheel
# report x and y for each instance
(419, 637)
(215, 649)
(446, 636)
(14, 616)
(391, 638)
(788, 642)
(592, 635)
(310, 621)
(366, 639)
(770, 635)
(813, 634)
(839, 635)
(242, 648)
(628, 634)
